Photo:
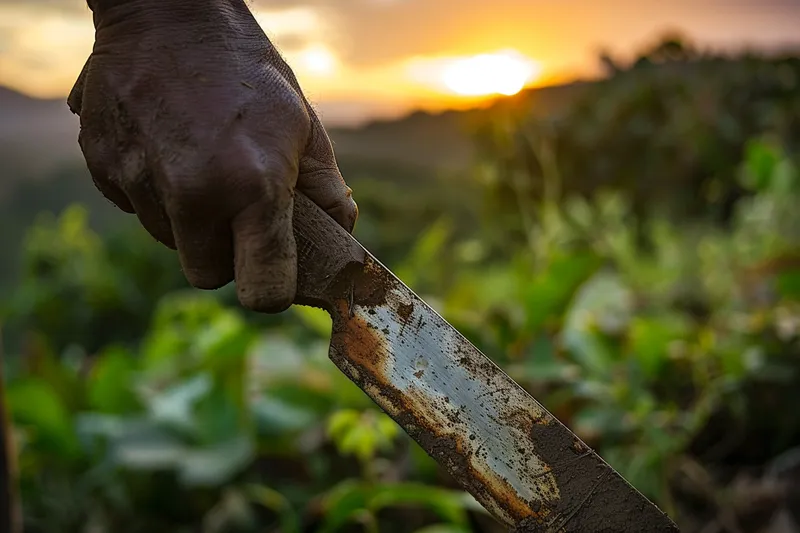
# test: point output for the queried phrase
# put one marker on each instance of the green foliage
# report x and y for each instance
(84, 291)
(212, 421)
(671, 344)
(669, 131)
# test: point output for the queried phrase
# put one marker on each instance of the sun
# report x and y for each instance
(505, 73)
(316, 60)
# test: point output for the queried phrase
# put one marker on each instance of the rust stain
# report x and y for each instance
(363, 344)
(456, 453)
(523, 419)
(404, 311)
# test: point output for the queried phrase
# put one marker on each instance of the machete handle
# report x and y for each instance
(326, 254)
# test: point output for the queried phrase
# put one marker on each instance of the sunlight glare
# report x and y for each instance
(317, 60)
(504, 73)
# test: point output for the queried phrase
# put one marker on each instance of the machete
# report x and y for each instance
(523, 465)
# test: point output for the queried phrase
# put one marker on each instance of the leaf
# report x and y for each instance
(154, 450)
(361, 434)
(174, 406)
(224, 342)
(549, 292)
(275, 358)
(215, 465)
(276, 502)
(275, 417)
(386, 427)
(598, 420)
(649, 340)
(113, 429)
(162, 348)
(218, 415)
(421, 262)
(110, 383)
(541, 363)
(341, 422)
(788, 284)
(360, 441)
(33, 403)
(760, 162)
(449, 505)
(341, 503)
(601, 307)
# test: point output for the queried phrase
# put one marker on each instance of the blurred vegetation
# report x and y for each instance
(633, 260)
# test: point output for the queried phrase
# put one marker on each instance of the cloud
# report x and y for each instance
(355, 39)
(69, 6)
(43, 50)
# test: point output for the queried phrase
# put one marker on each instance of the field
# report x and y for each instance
(627, 249)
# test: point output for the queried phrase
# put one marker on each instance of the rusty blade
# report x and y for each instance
(523, 465)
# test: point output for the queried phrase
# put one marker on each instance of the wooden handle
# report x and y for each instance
(326, 255)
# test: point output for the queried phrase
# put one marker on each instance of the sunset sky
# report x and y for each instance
(379, 55)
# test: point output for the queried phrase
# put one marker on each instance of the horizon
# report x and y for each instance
(356, 67)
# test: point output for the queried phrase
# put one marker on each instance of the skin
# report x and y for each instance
(190, 119)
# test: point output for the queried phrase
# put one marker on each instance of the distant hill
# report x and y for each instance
(440, 140)
(38, 135)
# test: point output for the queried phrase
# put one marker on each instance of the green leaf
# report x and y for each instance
(541, 363)
(224, 342)
(449, 505)
(110, 383)
(218, 416)
(788, 284)
(649, 340)
(341, 422)
(360, 441)
(276, 502)
(34, 405)
(342, 503)
(361, 434)
(760, 161)
(548, 293)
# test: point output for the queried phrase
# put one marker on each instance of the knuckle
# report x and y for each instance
(237, 174)
(284, 105)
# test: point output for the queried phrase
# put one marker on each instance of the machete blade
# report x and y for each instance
(506, 449)
(522, 464)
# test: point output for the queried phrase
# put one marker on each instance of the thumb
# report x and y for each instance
(265, 254)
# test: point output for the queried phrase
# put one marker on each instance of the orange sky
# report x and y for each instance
(373, 56)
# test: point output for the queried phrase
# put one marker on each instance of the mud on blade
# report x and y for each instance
(525, 467)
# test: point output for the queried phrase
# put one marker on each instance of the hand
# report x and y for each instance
(191, 120)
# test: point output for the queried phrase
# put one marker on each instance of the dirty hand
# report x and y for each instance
(191, 120)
